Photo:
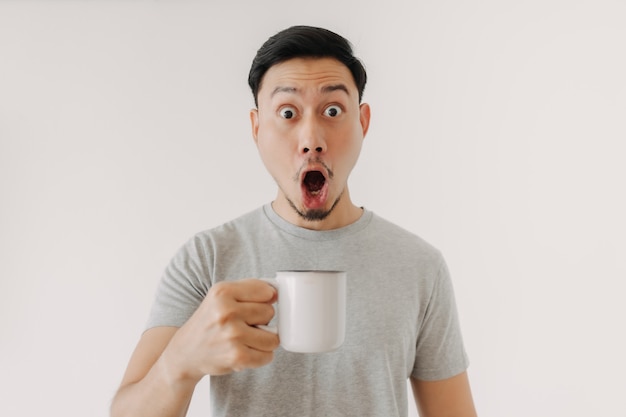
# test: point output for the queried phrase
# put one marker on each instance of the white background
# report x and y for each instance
(497, 134)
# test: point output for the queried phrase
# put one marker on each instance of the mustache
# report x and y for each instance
(311, 161)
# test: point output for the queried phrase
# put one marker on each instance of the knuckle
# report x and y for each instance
(220, 290)
(225, 316)
(239, 356)
(230, 335)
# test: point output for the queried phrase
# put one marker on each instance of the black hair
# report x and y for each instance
(304, 42)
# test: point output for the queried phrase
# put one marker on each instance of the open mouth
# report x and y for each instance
(313, 182)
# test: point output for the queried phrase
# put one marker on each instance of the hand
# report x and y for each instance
(220, 337)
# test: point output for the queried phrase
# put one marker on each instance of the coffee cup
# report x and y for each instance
(311, 310)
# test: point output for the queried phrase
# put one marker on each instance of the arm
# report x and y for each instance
(450, 397)
(218, 339)
(147, 387)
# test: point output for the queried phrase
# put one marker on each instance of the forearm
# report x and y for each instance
(158, 394)
(218, 339)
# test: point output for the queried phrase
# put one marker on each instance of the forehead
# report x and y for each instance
(307, 73)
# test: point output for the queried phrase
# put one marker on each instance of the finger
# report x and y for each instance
(252, 290)
(262, 340)
(255, 290)
(253, 358)
(255, 313)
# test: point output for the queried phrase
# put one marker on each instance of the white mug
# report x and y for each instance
(311, 310)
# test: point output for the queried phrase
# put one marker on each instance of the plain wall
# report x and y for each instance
(498, 132)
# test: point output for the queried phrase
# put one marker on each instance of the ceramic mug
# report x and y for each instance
(311, 310)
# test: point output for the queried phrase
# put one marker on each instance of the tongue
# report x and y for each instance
(314, 181)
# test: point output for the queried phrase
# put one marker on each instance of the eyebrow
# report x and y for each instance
(326, 89)
(280, 89)
(335, 87)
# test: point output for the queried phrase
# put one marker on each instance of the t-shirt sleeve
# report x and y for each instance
(440, 353)
(182, 288)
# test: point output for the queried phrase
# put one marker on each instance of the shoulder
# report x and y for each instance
(242, 225)
(403, 241)
(204, 244)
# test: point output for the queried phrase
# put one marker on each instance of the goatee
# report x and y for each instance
(314, 215)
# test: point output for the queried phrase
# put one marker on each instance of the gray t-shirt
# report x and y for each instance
(401, 315)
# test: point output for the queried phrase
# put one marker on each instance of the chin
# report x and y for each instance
(316, 214)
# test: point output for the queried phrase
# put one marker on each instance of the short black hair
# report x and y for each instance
(304, 42)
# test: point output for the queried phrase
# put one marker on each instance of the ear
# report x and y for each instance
(364, 117)
(254, 122)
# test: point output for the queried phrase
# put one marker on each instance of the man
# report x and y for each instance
(309, 125)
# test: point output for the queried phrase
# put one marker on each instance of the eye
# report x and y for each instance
(333, 111)
(287, 113)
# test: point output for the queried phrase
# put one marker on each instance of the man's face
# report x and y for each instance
(309, 128)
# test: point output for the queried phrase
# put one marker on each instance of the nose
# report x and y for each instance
(312, 137)
(319, 149)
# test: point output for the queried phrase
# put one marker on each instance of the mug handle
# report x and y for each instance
(272, 329)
